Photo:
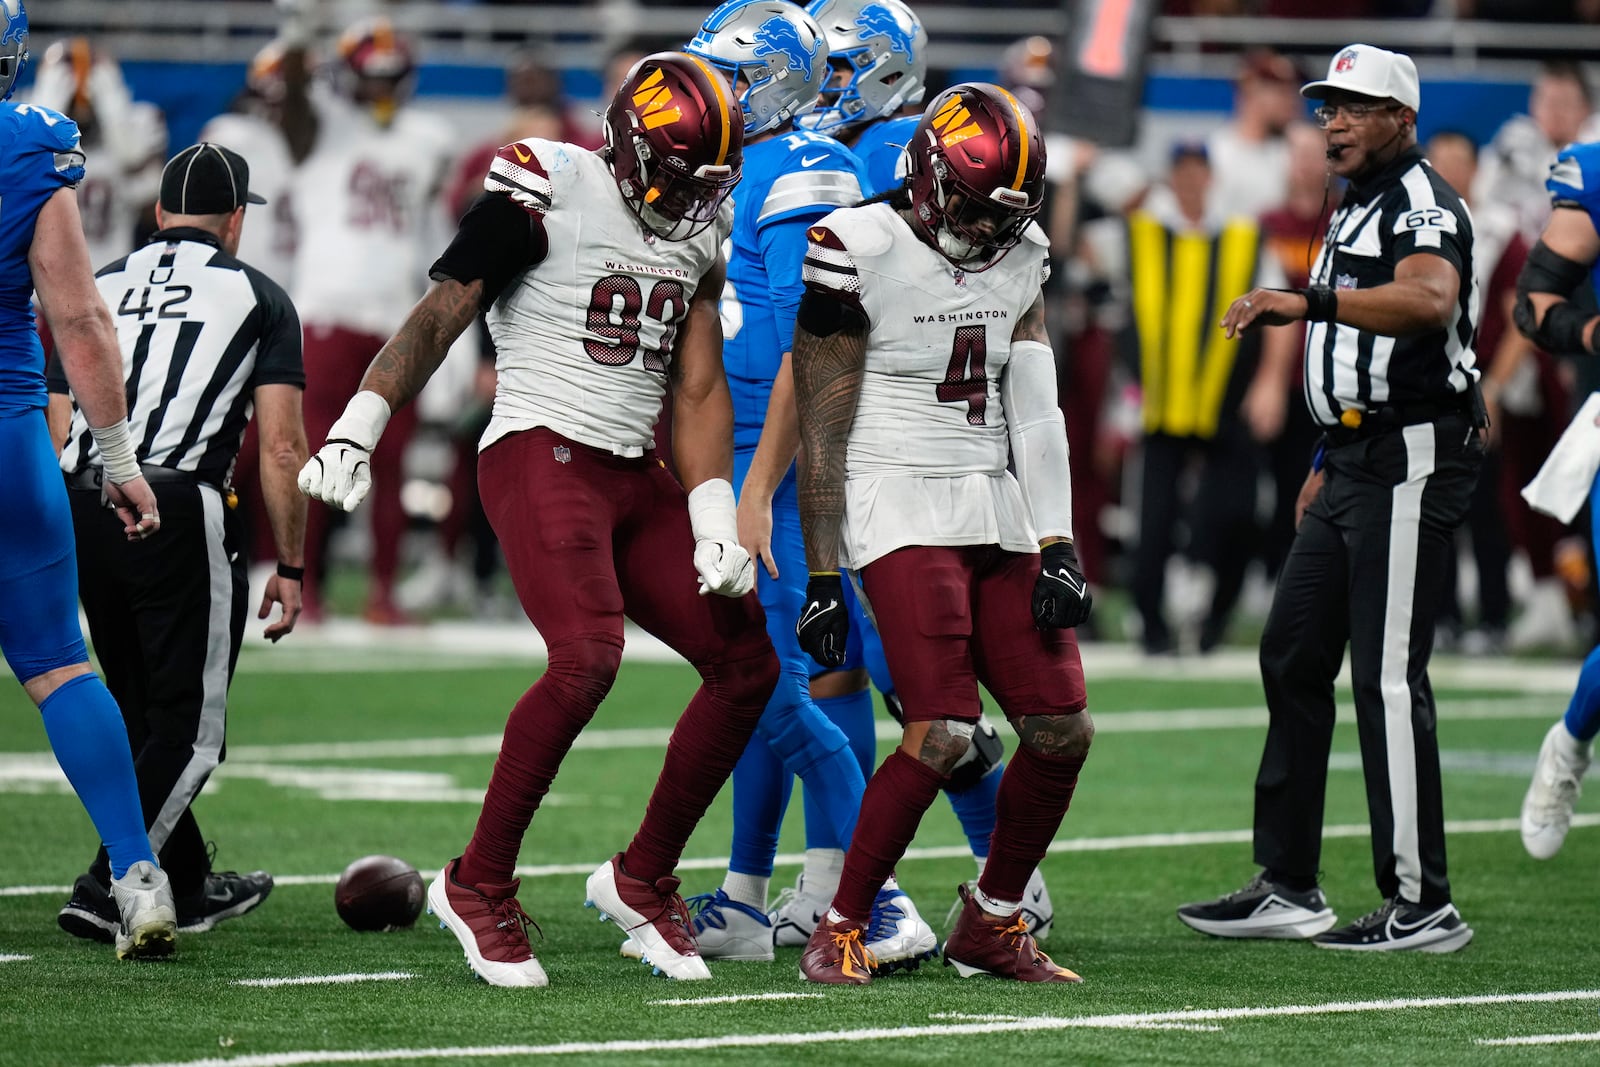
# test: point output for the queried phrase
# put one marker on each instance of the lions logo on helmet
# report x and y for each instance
(976, 174)
(773, 47)
(878, 48)
(13, 44)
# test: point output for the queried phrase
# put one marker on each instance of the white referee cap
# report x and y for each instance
(1368, 71)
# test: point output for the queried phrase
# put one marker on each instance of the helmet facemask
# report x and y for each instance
(972, 229)
(671, 201)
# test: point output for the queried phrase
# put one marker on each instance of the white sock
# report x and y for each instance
(892, 884)
(748, 889)
(821, 872)
(1570, 746)
(1000, 909)
(983, 861)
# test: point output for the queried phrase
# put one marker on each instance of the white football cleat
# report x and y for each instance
(896, 937)
(491, 928)
(1547, 809)
(149, 919)
(653, 916)
(796, 914)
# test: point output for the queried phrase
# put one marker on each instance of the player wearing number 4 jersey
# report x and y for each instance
(921, 368)
(594, 299)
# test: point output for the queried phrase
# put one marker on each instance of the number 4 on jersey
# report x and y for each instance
(965, 380)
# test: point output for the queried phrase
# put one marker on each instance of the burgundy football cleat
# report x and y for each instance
(491, 926)
(983, 944)
(837, 953)
(651, 914)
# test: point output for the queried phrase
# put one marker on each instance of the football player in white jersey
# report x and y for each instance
(367, 209)
(921, 367)
(125, 141)
(594, 300)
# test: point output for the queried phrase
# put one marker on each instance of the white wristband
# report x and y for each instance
(117, 457)
(712, 513)
(363, 420)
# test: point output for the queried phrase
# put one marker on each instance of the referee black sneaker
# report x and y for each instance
(227, 895)
(90, 913)
(1399, 926)
(1262, 908)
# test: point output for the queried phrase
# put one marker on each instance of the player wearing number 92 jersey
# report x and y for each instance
(600, 273)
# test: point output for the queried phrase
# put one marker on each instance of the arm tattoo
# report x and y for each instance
(408, 359)
(1031, 326)
(827, 382)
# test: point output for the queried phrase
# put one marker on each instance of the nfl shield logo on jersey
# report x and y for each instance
(960, 277)
(563, 454)
(1345, 281)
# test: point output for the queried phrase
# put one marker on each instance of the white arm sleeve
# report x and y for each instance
(1038, 437)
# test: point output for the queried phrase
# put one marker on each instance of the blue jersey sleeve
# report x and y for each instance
(817, 175)
(1574, 179)
(783, 249)
(880, 149)
(46, 142)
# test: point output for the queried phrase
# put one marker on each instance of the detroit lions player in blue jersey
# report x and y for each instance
(775, 56)
(42, 249)
(1566, 257)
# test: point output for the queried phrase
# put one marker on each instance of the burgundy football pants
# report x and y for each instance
(588, 538)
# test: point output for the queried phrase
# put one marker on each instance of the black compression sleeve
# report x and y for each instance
(822, 314)
(497, 241)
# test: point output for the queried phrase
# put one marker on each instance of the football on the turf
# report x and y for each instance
(379, 893)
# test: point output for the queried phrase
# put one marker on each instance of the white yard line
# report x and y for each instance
(8, 958)
(325, 979)
(896, 1033)
(1141, 721)
(694, 1002)
(937, 852)
(1541, 1039)
(348, 645)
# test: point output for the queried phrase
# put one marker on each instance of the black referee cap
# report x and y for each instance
(206, 179)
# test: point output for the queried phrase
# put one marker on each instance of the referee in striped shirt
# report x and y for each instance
(1389, 374)
(205, 341)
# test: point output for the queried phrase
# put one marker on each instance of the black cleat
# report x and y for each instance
(227, 895)
(90, 913)
(1262, 908)
(1399, 926)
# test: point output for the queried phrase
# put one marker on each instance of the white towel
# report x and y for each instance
(1562, 484)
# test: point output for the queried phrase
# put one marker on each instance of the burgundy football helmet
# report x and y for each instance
(676, 143)
(975, 172)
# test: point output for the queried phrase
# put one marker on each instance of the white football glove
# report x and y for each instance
(725, 567)
(341, 472)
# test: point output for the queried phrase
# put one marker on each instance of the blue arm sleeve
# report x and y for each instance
(783, 250)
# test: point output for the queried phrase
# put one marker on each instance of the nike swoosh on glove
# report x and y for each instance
(1061, 597)
(824, 624)
(725, 568)
(339, 474)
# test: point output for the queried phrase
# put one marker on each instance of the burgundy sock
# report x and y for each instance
(709, 739)
(896, 798)
(1034, 794)
(539, 731)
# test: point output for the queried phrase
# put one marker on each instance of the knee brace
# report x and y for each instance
(986, 753)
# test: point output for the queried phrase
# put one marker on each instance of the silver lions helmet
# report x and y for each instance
(773, 54)
(13, 44)
(877, 50)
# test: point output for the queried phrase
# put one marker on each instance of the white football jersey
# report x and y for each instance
(926, 461)
(584, 338)
(268, 240)
(369, 217)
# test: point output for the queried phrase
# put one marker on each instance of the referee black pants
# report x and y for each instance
(166, 616)
(1366, 569)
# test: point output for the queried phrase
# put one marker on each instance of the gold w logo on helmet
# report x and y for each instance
(652, 99)
(954, 123)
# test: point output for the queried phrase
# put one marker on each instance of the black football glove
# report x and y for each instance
(824, 623)
(1061, 598)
